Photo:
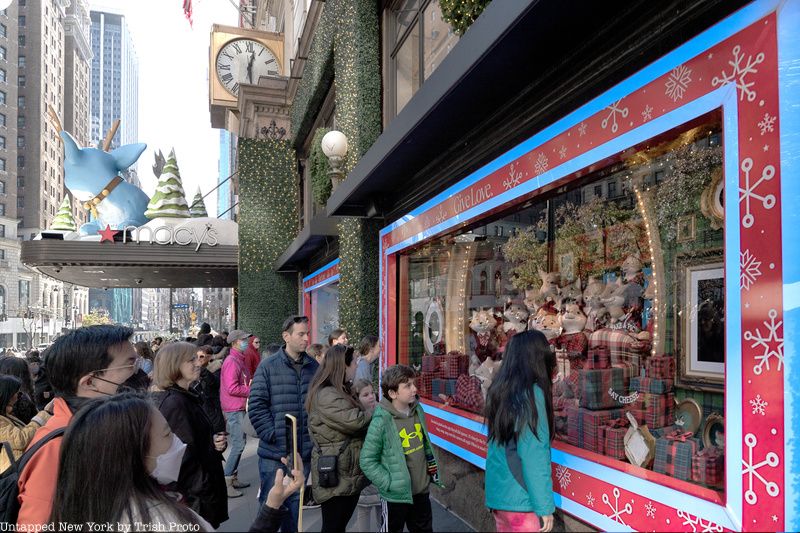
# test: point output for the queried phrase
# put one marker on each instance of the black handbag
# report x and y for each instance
(328, 467)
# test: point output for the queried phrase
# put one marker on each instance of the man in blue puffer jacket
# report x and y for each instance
(279, 388)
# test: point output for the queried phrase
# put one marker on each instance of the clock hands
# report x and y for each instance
(250, 67)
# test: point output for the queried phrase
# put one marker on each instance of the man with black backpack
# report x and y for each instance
(86, 363)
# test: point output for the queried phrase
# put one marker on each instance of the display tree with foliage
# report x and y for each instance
(198, 207)
(169, 199)
(460, 14)
(64, 221)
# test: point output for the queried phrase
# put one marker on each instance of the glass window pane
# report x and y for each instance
(407, 69)
(439, 38)
(324, 312)
(404, 17)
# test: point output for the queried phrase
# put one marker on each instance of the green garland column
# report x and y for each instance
(358, 116)
(268, 204)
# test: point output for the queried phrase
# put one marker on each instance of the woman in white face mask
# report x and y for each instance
(115, 454)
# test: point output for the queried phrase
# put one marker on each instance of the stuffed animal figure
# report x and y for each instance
(550, 284)
(516, 316)
(571, 293)
(92, 176)
(548, 324)
(483, 325)
(485, 372)
(631, 268)
(573, 339)
(592, 296)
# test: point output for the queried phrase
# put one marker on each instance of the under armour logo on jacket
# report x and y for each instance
(406, 436)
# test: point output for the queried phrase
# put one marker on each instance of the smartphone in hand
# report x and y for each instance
(291, 442)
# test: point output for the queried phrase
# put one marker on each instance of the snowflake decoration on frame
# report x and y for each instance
(590, 500)
(751, 470)
(541, 163)
(440, 216)
(513, 179)
(615, 109)
(562, 152)
(616, 510)
(739, 73)
(749, 270)
(759, 406)
(581, 129)
(677, 82)
(749, 191)
(650, 509)
(647, 114)
(767, 124)
(696, 522)
(564, 476)
(771, 344)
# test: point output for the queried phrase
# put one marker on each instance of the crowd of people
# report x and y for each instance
(137, 434)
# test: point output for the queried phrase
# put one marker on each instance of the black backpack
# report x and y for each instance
(9, 489)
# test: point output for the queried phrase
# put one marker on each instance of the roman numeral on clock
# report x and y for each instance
(235, 88)
(238, 48)
(227, 78)
(268, 62)
(249, 46)
(224, 67)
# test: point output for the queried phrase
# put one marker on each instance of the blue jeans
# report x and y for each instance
(267, 469)
(238, 438)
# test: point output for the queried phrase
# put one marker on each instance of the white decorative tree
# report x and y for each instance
(64, 220)
(198, 207)
(169, 199)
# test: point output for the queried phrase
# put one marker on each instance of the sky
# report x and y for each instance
(173, 86)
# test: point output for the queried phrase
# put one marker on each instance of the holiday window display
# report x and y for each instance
(594, 272)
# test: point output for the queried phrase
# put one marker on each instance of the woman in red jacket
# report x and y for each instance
(252, 355)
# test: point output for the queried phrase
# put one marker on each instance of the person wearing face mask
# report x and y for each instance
(86, 363)
(201, 480)
(13, 430)
(208, 389)
(234, 389)
(117, 478)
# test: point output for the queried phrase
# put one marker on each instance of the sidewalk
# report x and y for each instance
(243, 510)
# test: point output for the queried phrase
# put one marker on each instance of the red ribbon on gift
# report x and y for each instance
(680, 437)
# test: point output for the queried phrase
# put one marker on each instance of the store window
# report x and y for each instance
(2, 187)
(628, 288)
(324, 312)
(417, 40)
(24, 293)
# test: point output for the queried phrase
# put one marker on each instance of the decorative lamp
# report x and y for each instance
(334, 146)
(4, 4)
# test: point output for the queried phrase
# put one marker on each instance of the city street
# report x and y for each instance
(242, 511)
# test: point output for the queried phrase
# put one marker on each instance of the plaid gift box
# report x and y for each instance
(629, 370)
(708, 467)
(468, 393)
(443, 386)
(623, 346)
(584, 426)
(659, 409)
(652, 385)
(430, 363)
(595, 385)
(562, 402)
(614, 445)
(453, 364)
(638, 414)
(424, 384)
(674, 455)
(560, 419)
(598, 357)
(660, 367)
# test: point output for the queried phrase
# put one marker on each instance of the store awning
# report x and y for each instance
(317, 234)
(131, 264)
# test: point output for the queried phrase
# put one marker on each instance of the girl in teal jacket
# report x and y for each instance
(519, 416)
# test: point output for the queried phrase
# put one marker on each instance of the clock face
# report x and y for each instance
(244, 61)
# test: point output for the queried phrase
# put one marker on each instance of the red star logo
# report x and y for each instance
(108, 234)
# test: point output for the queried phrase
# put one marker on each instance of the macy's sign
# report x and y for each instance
(167, 235)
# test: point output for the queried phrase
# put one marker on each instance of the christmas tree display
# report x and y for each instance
(169, 199)
(64, 220)
(198, 207)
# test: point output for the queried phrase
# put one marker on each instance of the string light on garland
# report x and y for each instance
(460, 14)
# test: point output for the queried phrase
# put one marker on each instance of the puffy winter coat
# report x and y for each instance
(382, 459)
(201, 479)
(208, 389)
(278, 390)
(18, 435)
(334, 419)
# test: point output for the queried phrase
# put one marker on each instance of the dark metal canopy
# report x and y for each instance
(520, 67)
(131, 264)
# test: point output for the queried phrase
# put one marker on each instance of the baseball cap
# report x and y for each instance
(237, 335)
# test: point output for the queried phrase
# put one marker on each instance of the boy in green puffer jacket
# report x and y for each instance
(397, 455)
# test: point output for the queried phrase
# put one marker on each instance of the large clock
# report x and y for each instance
(244, 61)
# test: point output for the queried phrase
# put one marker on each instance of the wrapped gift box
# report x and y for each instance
(624, 347)
(659, 409)
(468, 393)
(584, 426)
(453, 364)
(614, 438)
(598, 357)
(708, 467)
(595, 384)
(652, 385)
(660, 367)
(637, 412)
(443, 386)
(424, 384)
(430, 363)
(675, 453)
(629, 371)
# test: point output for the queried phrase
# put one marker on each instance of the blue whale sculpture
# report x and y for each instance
(89, 175)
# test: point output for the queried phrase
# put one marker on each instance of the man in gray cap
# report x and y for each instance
(234, 389)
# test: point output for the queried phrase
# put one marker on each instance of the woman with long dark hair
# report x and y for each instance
(115, 453)
(337, 424)
(12, 429)
(519, 417)
(25, 407)
(201, 480)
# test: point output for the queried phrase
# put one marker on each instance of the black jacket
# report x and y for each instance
(208, 389)
(201, 480)
(42, 390)
(268, 519)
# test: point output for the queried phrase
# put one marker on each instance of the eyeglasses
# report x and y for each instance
(137, 364)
